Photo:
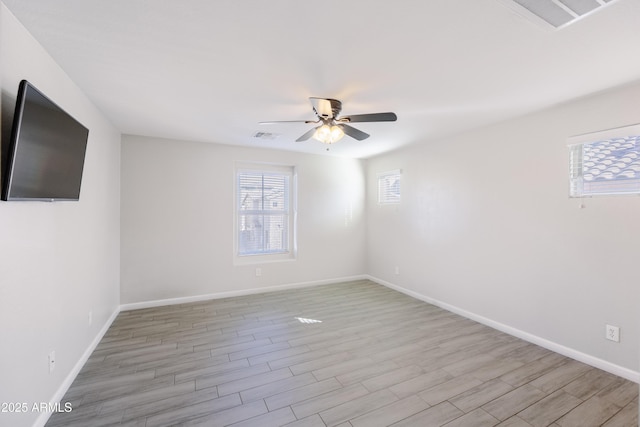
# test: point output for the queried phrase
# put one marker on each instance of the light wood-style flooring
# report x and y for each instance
(351, 354)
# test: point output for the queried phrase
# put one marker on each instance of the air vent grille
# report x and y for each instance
(266, 135)
(556, 14)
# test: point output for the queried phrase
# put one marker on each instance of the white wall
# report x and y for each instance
(58, 261)
(177, 220)
(486, 226)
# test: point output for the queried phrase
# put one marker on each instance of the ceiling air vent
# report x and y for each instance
(266, 135)
(555, 14)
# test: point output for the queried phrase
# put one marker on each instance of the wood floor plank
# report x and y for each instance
(252, 381)
(549, 409)
(102, 421)
(276, 418)
(279, 354)
(469, 364)
(336, 369)
(391, 378)
(139, 398)
(364, 373)
(495, 369)
(560, 376)
(392, 413)
(593, 412)
(476, 418)
(378, 358)
(628, 416)
(108, 382)
(226, 376)
(83, 413)
(328, 400)
(435, 416)
(210, 367)
(187, 364)
(115, 391)
(312, 421)
(589, 384)
(533, 370)
(320, 362)
(137, 410)
(621, 392)
(166, 418)
(357, 407)
(228, 416)
(255, 351)
(298, 359)
(479, 395)
(449, 389)
(420, 383)
(275, 387)
(301, 394)
(513, 402)
(517, 422)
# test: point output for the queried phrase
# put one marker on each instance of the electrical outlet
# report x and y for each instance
(397, 270)
(90, 317)
(258, 272)
(613, 333)
(52, 361)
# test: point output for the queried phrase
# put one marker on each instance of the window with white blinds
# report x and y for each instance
(389, 187)
(263, 211)
(605, 163)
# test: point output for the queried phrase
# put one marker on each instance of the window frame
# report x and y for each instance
(381, 176)
(617, 187)
(263, 257)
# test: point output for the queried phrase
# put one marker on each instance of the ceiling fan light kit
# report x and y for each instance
(328, 134)
(332, 127)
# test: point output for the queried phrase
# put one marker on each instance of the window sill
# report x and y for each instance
(263, 259)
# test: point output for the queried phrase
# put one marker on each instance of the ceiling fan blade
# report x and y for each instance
(275, 122)
(306, 135)
(327, 108)
(353, 132)
(373, 117)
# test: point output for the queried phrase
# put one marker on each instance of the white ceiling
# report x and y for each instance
(210, 70)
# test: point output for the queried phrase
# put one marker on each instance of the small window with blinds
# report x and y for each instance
(389, 187)
(264, 210)
(605, 163)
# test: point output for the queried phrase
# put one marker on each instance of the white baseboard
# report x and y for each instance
(64, 387)
(542, 342)
(228, 294)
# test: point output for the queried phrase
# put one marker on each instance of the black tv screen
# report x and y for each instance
(46, 150)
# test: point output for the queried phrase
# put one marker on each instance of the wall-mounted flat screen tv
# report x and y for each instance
(46, 151)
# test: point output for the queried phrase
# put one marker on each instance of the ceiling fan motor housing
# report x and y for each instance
(326, 108)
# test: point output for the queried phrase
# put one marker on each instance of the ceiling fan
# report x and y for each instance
(331, 127)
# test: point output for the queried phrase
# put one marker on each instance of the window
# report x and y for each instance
(389, 187)
(264, 220)
(605, 163)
